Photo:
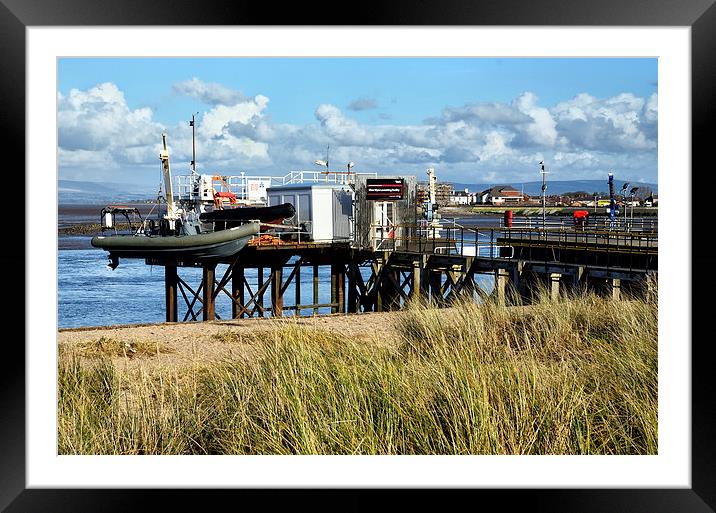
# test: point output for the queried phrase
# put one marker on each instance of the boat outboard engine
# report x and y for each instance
(113, 262)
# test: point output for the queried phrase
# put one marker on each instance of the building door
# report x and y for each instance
(383, 226)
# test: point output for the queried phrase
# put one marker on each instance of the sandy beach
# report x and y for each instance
(187, 344)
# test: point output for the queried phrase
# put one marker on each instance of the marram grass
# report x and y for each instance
(572, 376)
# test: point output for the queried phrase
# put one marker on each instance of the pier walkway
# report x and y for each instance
(438, 265)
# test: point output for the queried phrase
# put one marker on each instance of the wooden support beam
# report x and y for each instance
(208, 278)
(416, 290)
(276, 292)
(353, 270)
(170, 292)
(391, 289)
(502, 277)
(334, 289)
(237, 292)
(554, 280)
(377, 278)
(297, 286)
(616, 286)
(436, 279)
(259, 302)
(195, 297)
(315, 289)
(341, 287)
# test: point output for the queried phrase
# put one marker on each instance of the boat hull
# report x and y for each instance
(271, 215)
(221, 244)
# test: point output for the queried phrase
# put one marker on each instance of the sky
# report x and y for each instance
(475, 120)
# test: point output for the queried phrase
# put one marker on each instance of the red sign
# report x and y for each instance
(385, 188)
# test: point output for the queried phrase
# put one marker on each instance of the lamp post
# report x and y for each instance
(632, 192)
(544, 195)
(624, 188)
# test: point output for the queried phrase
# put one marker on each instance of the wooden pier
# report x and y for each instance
(414, 264)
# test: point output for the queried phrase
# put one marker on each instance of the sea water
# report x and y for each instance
(89, 293)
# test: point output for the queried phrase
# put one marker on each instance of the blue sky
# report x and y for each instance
(474, 120)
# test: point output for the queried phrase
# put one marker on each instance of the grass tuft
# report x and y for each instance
(109, 347)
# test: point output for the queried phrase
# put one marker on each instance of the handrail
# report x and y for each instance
(238, 184)
(456, 239)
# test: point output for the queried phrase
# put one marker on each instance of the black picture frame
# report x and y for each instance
(700, 15)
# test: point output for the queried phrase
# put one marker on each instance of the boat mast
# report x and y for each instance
(164, 157)
(193, 146)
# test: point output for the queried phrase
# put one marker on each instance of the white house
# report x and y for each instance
(500, 195)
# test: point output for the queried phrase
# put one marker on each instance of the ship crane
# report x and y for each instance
(171, 215)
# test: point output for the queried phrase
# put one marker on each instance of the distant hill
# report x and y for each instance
(559, 186)
(74, 191)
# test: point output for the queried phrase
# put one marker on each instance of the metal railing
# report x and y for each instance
(451, 238)
(446, 239)
(639, 224)
(239, 184)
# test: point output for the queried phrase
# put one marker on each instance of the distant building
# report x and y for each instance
(421, 194)
(463, 198)
(500, 195)
(443, 191)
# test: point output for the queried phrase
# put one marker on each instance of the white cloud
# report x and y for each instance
(97, 131)
(541, 130)
(622, 123)
(581, 137)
